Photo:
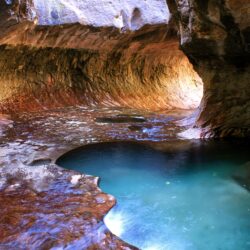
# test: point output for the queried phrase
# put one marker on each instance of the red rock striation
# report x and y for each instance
(59, 66)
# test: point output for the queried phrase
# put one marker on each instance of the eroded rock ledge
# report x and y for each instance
(43, 206)
(60, 212)
(46, 67)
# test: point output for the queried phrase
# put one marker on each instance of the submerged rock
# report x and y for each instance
(40, 162)
(120, 119)
(243, 181)
(243, 178)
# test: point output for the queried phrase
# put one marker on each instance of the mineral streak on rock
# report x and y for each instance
(67, 65)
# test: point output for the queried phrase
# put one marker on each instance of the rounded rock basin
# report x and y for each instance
(173, 197)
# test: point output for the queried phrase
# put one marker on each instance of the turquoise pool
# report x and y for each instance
(173, 198)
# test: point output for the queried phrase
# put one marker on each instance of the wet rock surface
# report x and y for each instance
(243, 181)
(120, 119)
(43, 206)
(61, 214)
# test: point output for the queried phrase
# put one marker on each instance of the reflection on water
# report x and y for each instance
(173, 198)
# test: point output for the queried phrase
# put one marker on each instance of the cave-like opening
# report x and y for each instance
(134, 65)
(144, 69)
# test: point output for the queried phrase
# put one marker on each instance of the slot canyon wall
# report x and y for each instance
(72, 64)
(49, 60)
(133, 70)
(215, 35)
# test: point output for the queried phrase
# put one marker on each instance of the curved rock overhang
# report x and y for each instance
(59, 66)
(214, 35)
(71, 64)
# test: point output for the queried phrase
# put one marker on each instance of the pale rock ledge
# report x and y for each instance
(128, 15)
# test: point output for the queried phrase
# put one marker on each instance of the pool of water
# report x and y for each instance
(172, 198)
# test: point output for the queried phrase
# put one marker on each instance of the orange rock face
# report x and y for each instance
(67, 65)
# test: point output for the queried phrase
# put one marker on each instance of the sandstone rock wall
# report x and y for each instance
(127, 14)
(17, 10)
(59, 66)
(215, 37)
(122, 14)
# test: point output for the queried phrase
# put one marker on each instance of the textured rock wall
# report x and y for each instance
(51, 66)
(122, 14)
(213, 34)
(215, 37)
(16, 10)
(48, 67)
(128, 14)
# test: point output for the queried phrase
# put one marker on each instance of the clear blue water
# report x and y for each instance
(177, 199)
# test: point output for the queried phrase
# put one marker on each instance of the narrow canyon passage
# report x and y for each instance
(110, 119)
